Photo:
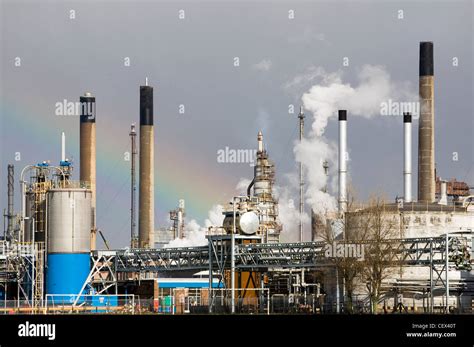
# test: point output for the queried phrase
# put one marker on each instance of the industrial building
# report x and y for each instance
(49, 262)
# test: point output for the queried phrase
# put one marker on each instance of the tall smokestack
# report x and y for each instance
(407, 157)
(426, 146)
(146, 184)
(342, 160)
(133, 188)
(88, 153)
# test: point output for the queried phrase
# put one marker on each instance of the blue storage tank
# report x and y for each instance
(66, 272)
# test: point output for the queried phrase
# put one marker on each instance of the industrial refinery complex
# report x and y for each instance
(410, 255)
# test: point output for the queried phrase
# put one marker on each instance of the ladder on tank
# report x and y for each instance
(38, 293)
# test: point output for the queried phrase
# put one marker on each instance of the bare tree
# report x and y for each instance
(380, 231)
(347, 230)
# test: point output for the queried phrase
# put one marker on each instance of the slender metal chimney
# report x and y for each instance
(146, 185)
(426, 146)
(407, 192)
(88, 153)
(301, 118)
(63, 146)
(342, 160)
(10, 187)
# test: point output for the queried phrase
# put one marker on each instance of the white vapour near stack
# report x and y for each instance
(342, 160)
(146, 185)
(407, 141)
(88, 153)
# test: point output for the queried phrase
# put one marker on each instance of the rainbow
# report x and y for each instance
(26, 130)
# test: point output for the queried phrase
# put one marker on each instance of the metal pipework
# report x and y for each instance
(23, 202)
(146, 184)
(407, 192)
(232, 251)
(249, 188)
(342, 160)
(88, 153)
(426, 146)
(232, 260)
(21, 237)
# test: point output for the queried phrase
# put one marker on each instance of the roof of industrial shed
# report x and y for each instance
(417, 207)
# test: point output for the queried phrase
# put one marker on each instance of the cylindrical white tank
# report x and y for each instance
(69, 220)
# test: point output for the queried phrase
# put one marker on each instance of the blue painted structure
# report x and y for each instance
(66, 272)
(187, 283)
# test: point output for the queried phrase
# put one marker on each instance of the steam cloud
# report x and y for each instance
(323, 100)
(195, 233)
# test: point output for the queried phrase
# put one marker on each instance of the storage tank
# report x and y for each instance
(69, 229)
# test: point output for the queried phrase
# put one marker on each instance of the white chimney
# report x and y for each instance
(443, 198)
(260, 141)
(343, 160)
(407, 158)
(63, 146)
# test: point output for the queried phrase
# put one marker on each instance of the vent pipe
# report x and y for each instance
(343, 160)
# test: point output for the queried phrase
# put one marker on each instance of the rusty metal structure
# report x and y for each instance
(454, 188)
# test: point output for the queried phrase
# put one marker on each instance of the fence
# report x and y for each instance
(247, 301)
(216, 301)
(90, 304)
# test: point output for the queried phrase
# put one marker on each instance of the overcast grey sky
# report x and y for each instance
(190, 62)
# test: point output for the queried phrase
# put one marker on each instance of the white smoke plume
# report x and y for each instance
(242, 185)
(215, 216)
(323, 100)
(195, 236)
(264, 65)
(330, 94)
(195, 233)
(327, 95)
(289, 213)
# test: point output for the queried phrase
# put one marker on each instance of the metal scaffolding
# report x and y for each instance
(22, 263)
(262, 257)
